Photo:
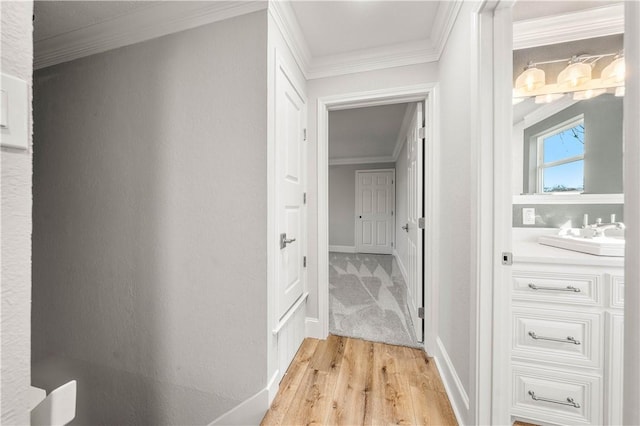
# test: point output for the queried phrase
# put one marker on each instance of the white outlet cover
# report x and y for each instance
(528, 216)
(15, 113)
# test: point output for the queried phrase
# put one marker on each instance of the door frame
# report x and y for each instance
(427, 93)
(357, 202)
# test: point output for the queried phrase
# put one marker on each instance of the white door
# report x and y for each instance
(290, 112)
(375, 200)
(415, 145)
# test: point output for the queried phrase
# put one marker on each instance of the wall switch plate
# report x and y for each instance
(528, 216)
(14, 112)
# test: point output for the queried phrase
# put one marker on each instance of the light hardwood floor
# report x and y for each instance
(344, 381)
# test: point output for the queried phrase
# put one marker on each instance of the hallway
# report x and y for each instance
(344, 381)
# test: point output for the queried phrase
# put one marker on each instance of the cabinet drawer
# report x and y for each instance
(555, 396)
(557, 287)
(559, 337)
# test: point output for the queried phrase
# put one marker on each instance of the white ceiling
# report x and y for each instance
(365, 132)
(335, 27)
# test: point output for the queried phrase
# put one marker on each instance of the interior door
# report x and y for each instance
(415, 286)
(290, 107)
(375, 200)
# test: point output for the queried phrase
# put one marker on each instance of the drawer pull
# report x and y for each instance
(569, 339)
(569, 400)
(570, 288)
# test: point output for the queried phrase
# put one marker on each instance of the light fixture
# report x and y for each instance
(619, 91)
(587, 94)
(532, 78)
(575, 74)
(548, 98)
(614, 72)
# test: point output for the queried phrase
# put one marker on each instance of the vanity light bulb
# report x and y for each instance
(614, 72)
(574, 75)
(587, 94)
(548, 98)
(531, 79)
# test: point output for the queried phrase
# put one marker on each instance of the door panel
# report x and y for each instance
(290, 118)
(415, 212)
(375, 200)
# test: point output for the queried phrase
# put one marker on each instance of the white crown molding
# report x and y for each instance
(411, 53)
(285, 18)
(360, 160)
(443, 24)
(140, 25)
(590, 23)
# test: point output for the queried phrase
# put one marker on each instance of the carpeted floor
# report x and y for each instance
(368, 299)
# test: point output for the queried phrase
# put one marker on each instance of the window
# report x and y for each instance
(561, 158)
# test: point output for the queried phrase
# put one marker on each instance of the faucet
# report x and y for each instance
(599, 227)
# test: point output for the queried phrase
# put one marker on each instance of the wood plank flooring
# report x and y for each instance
(345, 381)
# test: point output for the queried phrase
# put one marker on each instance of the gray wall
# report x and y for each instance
(602, 142)
(15, 217)
(342, 201)
(149, 258)
(453, 230)
(556, 215)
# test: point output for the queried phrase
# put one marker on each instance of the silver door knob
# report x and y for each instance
(284, 241)
(406, 227)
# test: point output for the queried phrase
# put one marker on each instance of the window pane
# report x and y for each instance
(568, 143)
(565, 177)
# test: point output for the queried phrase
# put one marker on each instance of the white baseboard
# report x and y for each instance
(452, 383)
(343, 249)
(252, 410)
(403, 270)
(313, 328)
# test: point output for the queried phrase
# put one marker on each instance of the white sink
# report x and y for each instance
(599, 246)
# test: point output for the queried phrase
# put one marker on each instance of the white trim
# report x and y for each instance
(451, 381)
(252, 410)
(559, 198)
(301, 301)
(353, 100)
(343, 249)
(360, 160)
(313, 328)
(443, 24)
(150, 22)
(285, 18)
(632, 216)
(590, 23)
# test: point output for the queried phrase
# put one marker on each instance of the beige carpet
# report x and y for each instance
(368, 299)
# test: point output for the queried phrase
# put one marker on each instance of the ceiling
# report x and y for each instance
(370, 132)
(335, 27)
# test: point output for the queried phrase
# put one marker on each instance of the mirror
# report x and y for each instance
(564, 145)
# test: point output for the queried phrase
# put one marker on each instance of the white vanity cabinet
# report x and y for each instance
(566, 345)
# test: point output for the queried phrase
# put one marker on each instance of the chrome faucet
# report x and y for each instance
(599, 227)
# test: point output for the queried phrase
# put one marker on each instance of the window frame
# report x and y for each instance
(541, 165)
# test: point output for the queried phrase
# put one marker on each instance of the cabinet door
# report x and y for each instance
(614, 369)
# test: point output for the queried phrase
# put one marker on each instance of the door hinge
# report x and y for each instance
(304, 134)
(391, 244)
(304, 261)
(391, 212)
(421, 222)
(507, 258)
(421, 133)
(421, 313)
(304, 198)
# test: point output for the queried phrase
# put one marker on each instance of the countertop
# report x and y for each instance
(526, 249)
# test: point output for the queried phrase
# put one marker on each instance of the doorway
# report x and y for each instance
(426, 96)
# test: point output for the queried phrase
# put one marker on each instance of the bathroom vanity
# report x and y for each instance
(567, 335)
